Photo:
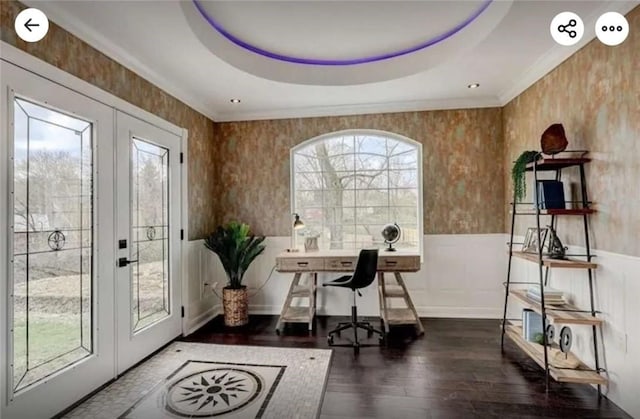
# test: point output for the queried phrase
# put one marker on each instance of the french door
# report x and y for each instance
(90, 270)
(148, 234)
(59, 222)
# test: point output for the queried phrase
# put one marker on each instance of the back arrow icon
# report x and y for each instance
(28, 25)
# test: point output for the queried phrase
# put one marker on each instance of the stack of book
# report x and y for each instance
(551, 295)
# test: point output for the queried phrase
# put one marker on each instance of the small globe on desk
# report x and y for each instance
(391, 235)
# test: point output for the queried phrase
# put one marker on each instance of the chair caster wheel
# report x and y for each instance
(330, 340)
(278, 332)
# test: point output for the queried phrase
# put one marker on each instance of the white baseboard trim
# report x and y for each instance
(460, 312)
(435, 312)
(204, 318)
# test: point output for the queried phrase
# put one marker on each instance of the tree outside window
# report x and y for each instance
(347, 185)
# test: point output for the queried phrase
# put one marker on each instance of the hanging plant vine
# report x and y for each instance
(517, 173)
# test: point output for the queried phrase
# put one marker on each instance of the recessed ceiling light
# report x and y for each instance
(473, 85)
(235, 101)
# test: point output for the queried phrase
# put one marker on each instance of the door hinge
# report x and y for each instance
(181, 157)
(181, 234)
(182, 311)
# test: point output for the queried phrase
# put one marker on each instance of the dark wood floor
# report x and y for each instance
(456, 370)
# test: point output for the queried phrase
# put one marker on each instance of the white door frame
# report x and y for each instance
(29, 63)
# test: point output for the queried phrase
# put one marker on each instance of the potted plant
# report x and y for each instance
(237, 249)
(518, 176)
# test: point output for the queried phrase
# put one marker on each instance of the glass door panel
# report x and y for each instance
(52, 241)
(150, 225)
(57, 215)
(148, 199)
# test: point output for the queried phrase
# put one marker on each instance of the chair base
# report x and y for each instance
(355, 325)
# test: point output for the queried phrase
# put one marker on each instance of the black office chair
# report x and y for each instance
(365, 273)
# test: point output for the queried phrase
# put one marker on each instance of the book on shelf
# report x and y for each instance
(549, 194)
(551, 295)
(531, 324)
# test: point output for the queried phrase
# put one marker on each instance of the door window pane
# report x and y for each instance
(150, 228)
(52, 265)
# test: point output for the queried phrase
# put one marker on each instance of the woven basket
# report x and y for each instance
(236, 306)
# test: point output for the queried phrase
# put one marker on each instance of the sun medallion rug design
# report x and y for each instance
(199, 380)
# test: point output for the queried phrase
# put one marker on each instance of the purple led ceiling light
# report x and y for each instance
(345, 62)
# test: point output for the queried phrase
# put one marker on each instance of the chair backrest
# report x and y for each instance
(366, 269)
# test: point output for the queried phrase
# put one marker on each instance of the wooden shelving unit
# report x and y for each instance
(566, 314)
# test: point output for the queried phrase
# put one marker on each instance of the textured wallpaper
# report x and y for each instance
(74, 56)
(595, 94)
(462, 156)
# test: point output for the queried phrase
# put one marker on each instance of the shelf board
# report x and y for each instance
(558, 211)
(303, 291)
(400, 316)
(559, 317)
(393, 291)
(297, 315)
(555, 263)
(582, 375)
(549, 163)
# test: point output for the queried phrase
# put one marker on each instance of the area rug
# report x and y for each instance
(199, 380)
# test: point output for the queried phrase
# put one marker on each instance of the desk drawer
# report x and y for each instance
(340, 264)
(398, 263)
(300, 264)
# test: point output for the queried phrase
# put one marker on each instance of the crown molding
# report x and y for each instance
(558, 54)
(117, 53)
(363, 109)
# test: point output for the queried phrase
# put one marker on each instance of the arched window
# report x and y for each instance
(347, 185)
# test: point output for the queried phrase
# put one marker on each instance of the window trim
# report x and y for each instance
(373, 132)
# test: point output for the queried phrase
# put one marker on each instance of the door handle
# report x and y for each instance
(123, 262)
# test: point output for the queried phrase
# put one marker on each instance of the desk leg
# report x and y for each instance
(407, 299)
(383, 302)
(313, 278)
(287, 301)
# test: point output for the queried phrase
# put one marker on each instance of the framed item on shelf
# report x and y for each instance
(530, 243)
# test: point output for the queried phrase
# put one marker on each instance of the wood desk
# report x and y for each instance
(311, 263)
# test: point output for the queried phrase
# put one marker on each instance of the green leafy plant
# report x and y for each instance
(517, 173)
(539, 339)
(236, 250)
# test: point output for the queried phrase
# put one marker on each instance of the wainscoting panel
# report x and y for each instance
(460, 277)
(203, 271)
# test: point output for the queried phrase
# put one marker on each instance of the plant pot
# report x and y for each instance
(235, 303)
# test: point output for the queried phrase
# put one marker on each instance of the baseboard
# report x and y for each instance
(436, 312)
(460, 312)
(204, 318)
